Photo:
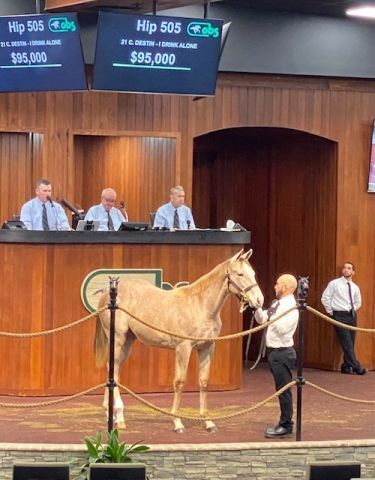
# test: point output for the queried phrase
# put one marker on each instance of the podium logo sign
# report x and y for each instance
(98, 280)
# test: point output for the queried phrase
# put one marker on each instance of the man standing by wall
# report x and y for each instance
(341, 299)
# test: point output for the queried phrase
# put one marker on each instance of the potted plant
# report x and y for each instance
(113, 451)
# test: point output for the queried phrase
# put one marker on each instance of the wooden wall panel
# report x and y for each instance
(16, 151)
(140, 169)
(48, 296)
(281, 185)
(339, 110)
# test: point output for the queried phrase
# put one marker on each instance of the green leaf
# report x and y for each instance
(91, 448)
(120, 452)
(111, 452)
(113, 439)
(140, 449)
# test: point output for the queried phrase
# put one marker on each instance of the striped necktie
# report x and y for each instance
(272, 310)
(176, 219)
(44, 217)
(111, 227)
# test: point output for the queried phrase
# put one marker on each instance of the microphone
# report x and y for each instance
(123, 210)
(49, 199)
(71, 207)
(188, 224)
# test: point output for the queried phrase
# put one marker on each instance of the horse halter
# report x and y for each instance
(242, 293)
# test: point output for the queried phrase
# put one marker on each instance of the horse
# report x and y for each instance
(192, 310)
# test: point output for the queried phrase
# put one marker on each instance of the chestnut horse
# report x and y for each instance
(192, 311)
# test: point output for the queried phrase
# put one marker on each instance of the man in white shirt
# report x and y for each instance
(175, 215)
(341, 299)
(42, 213)
(109, 217)
(280, 348)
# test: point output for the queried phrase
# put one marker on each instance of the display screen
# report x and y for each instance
(371, 181)
(41, 53)
(157, 54)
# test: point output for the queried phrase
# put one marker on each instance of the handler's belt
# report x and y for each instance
(278, 349)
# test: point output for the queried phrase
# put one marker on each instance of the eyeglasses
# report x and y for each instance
(109, 200)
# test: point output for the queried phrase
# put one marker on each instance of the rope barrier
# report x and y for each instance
(204, 418)
(336, 395)
(339, 324)
(208, 339)
(52, 402)
(53, 330)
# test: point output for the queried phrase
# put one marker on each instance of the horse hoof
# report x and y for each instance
(120, 425)
(213, 429)
(179, 430)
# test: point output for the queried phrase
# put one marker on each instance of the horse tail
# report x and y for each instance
(100, 344)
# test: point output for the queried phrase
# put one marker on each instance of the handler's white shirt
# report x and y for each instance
(336, 296)
(280, 333)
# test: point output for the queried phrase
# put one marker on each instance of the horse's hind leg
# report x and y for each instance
(183, 351)
(205, 357)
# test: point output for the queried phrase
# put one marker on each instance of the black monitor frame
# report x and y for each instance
(133, 227)
(338, 471)
(41, 471)
(117, 471)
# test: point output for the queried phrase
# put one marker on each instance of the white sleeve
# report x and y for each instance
(159, 221)
(261, 315)
(63, 222)
(286, 323)
(90, 214)
(327, 298)
(191, 219)
(26, 216)
(357, 300)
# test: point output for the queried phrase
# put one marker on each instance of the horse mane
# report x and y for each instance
(202, 283)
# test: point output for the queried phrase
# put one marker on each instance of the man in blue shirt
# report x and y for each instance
(41, 213)
(175, 215)
(109, 217)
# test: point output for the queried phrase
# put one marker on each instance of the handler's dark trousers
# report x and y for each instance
(347, 339)
(281, 362)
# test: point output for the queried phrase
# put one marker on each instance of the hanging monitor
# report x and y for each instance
(41, 53)
(156, 54)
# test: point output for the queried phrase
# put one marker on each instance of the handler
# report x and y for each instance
(281, 355)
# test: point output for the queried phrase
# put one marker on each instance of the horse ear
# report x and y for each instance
(236, 256)
(247, 255)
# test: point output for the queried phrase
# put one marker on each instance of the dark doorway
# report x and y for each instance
(281, 185)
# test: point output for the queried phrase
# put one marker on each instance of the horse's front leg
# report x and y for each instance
(183, 351)
(121, 354)
(122, 349)
(205, 357)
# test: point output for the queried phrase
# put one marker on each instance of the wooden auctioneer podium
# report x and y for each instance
(42, 273)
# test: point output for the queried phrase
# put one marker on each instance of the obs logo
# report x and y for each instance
(97, 281)
(202, 29)
(61, 24)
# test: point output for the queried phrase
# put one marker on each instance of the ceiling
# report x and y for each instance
(316, 7)
(133, 5)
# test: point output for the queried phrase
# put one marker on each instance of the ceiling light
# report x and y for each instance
(362, 12)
